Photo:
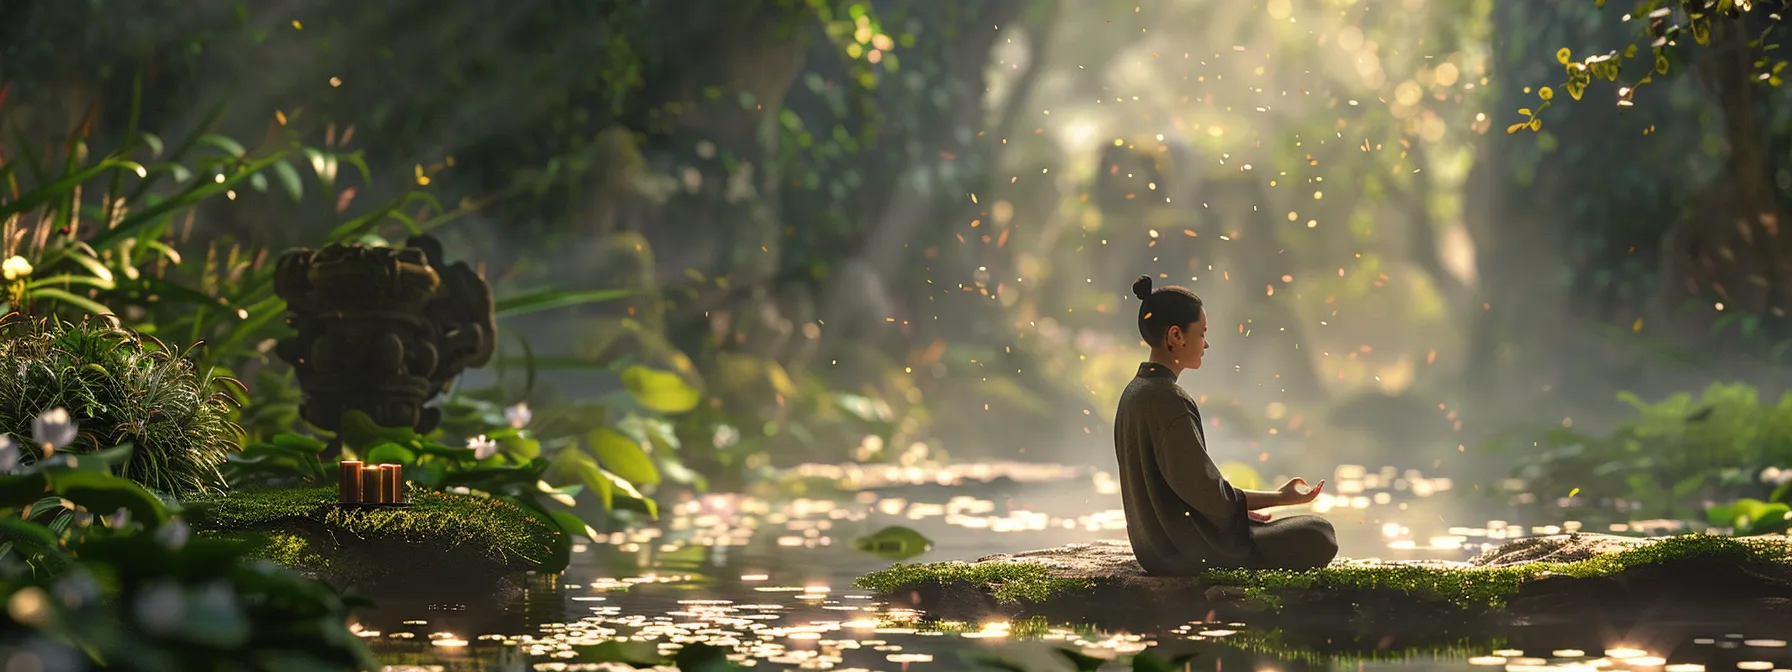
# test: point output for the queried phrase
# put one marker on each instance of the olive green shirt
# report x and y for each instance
(1181, 514)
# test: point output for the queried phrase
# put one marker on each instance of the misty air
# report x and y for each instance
(895, 335)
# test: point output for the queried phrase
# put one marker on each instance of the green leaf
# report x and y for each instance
(623, 456)
(1145, 661)
(1082, 661)
(634, 653)
(100, 491)
(894, 543)
(289, 180)
(299, 442)
(520, 447)
(87, 305)
(22, 490)
(1575, 88)
(231, 147)
(660, 391)
(535, 302)
(390, 453)
(701, 657)
(359, 432)
(572, 465)
(574, 525)
(62, 187)
(135, 222)
(33, 543)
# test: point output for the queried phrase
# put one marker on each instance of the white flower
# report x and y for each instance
(482, 447)
(174, 534)
(1776, 476)
(75, 589)
(15, 267)
(53, 429)
(160, 606)
(119, 519)
(519, 415)
(9, 454)
(726, 435)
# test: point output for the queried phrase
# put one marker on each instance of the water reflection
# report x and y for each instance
(770, 581)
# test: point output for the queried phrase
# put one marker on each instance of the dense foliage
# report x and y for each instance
(116, 388)
(98, 572)
(1671, 459)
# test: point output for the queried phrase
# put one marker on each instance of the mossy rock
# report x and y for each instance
(1528, 582)
(440, 540)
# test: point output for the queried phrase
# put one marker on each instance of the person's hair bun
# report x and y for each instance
(1142, 287)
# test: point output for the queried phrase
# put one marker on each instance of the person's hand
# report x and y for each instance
(1292, 494)
(1258, 516)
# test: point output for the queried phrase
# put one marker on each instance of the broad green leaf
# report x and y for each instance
(660, 391)
(21, 490)
(101, 491)
(359, 432)
(88, 305)
(520, 447)
(390, 453)
(299, 442)
(702, 657)
(894, 543)
(623, 456)
(289, 180)
(230, 146)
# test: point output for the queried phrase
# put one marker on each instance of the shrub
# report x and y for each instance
(117, 390)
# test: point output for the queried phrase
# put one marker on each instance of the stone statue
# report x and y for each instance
(381, 330)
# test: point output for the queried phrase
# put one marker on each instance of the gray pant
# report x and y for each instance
(1303, 541)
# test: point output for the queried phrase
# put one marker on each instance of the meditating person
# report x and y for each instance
(1181, 514)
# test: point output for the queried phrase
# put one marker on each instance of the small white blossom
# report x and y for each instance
(482, 447)
(519, 415)
(53, 429)
(726, 435)
(119, 519)
(9, 454)
(76, 588)
(160, 606)
(174, 534)
(1776, 476)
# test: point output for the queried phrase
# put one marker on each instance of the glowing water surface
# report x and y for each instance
(771, 580)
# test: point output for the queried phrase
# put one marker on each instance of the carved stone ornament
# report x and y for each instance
(382, 330)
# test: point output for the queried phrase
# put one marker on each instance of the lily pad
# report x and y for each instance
(895, 543)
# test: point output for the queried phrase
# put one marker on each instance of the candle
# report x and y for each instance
(348, 483)
(391, 483)
(370, 484)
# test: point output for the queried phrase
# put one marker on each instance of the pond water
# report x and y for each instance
(771, 580)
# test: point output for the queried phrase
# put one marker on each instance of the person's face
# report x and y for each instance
(1189, 345)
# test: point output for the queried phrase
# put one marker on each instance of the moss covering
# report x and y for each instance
(1011, 582)
(1490, 587)
(306, 530)
(1469, 588)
